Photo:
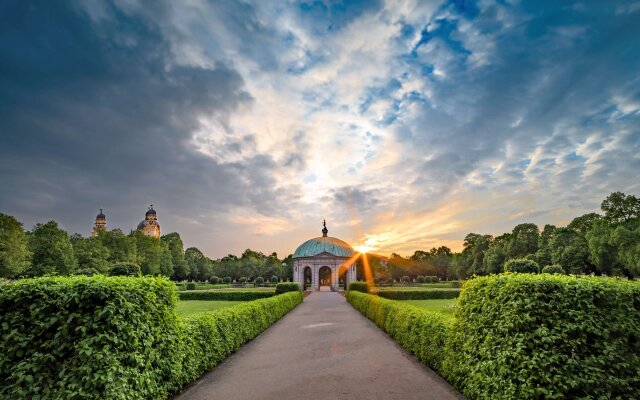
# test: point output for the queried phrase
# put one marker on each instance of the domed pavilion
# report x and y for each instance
(324, 262)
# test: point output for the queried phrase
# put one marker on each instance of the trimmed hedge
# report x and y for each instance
(419, 294)
(284, 287)
(191, 286)
(553, 269)
(115, 337)
(526, 336)
(522, 265)
(226, 295)
(423, 333)
(359, 287)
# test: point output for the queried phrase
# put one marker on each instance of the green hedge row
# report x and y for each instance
(419, 294)
(284, 287)
(226, 295)
(359, 287)
(529, 336)
(526, 336)
(114, 337)
(424, 333)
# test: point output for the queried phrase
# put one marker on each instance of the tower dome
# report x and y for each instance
(150, 226)
(100, 224)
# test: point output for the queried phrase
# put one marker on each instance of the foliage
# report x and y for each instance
(553, 269)
(243, 279)
(406, 279)
(284, 287)
(227, 279)
(423, 333)
(199, 265)
(90, 253)
(619, 208)
(176, 249)
(229, 295)
(259, 280)
(154, 255)
(52, 251)
(359, 287)
(420, 279)
(125, 269)
(431, 279)
(14, 253)
(524, 336)
(214, 280)
(115, 337)
(522, 265)
(122, 248)
(419, 294)
(86, 271)
(191, 286)
(274, 279)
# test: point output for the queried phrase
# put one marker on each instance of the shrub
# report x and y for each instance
(227, 280)
(525, 336)
(419, 294)
(191, 286)
(455, 284)
(86, 272)
(115, 337)
(225, 295)
(522, 265)
(125, 269)
(242, 280)
(87, 337)
(259, 280)
(423, 333)
(431, 279)
(214, 280)
(274, 279)
(553, 269)
(405, 279)
(359, 287)
(420, 279)
(284, 287)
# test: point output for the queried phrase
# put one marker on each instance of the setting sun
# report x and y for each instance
(363, 248)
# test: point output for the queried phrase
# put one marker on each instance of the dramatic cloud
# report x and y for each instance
(406, 124)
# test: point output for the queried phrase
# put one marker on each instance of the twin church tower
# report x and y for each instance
(149, 226)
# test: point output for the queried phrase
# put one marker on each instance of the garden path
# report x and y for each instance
(323, 349)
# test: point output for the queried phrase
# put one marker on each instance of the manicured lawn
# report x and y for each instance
(188, 307)
(445, 306)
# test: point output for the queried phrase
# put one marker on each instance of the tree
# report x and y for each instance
(523, 241)
(122, 248)
(543, 255)
(570, 250)
(154, 256)
(90, 253)
(52, 251)
(199, 265)
(473, 252)
(626, 238)
(176, 249)
(496, 255)
(618, 208)
(583, 223)
(14, 252)
(603, 253)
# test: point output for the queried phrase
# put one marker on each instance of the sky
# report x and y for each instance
(404, 124)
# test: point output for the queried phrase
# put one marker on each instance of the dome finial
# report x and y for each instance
(324, 229)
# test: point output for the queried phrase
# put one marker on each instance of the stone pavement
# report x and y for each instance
(323, 349)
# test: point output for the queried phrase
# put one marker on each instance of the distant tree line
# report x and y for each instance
(49, 250)
(606, 243)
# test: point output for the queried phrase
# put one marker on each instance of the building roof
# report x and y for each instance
(324, 244)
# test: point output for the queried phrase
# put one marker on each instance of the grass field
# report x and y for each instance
(445, 306)
(188, 307)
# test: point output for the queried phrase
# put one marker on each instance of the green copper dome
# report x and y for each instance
(324, 244)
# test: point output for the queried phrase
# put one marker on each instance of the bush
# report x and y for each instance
(524, 336)
(226, 295)
(455, 284)
(423, 333)
(553, 269)
(227, 280)
(86, 272)
(115, 337)
(214, 280)
(274, 279)
(284, 287)
(242, 280)
(405, 279)
(419, 294)
(87, 337)
(259, 281)
(191, 286)
(522, 265)
(420, 279)
(359, 287)
(431, 279)
(125, 269)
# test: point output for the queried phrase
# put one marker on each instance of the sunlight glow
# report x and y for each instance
(363, 248)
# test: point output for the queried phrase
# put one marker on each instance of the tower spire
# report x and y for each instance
(324, 229)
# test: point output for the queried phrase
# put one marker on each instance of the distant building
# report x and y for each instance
(150, 226)
(100, 225)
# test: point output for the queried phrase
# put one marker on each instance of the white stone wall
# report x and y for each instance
(319, 261)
